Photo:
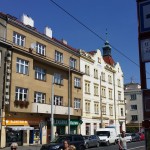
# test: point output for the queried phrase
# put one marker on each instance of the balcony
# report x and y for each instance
(46, 109)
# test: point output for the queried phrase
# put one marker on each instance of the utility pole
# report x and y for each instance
(52, 113)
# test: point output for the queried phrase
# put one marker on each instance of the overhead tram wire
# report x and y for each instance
(92, 31)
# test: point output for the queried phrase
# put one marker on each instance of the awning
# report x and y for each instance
(20, 128)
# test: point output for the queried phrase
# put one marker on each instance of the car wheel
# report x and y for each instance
(98, 144)
(87, 146)
(81, 148)
(107, 143)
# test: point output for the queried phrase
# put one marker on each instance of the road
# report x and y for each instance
(131, 146)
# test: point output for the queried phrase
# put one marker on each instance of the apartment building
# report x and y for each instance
(40, 69)
(134, 106)
(103, 91)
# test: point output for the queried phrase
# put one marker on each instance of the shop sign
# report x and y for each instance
(63, 122)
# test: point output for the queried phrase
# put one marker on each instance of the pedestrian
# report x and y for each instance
(122, 142)
(56, 134)
(66, 145)
(14, 146)
(72, 147)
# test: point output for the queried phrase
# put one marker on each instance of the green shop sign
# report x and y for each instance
(63, 122)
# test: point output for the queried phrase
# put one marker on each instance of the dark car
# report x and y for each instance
(74, 139)
(91, 141)
(135, 137)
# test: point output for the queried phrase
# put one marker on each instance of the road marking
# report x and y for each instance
(136, 147)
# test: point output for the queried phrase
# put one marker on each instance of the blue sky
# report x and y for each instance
(118, 16)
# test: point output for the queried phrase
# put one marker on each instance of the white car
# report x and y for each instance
(127, 136)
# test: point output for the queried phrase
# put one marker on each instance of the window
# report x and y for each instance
(77, 82)
(103, 76)
(40, 73)
(39, 97)
(58, 100)
(58, 57)
(104, 110)
(109, 79)
(87, 70)
(96, 73)
(96, 108)
(77, 103)
(134, 118)
(121, 111)
(119, 84)
(22, 66)
(110, 94)
(119, 95)
(73, 63)
(133, 96)
(87, 87)
(110, 110)
(96, 90)
(87, 107)
(0, 58)
(40, 49)
(58, 79)
(21, 94)
(103, 94)
(18, 39)
(133, 107)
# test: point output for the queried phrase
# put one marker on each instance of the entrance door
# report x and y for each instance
(73, 129)
(60, 130)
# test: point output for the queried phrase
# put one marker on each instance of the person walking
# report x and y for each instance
(66, 145)
(122, 142)
(14, 146)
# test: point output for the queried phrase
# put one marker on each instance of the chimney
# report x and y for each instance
(64, 41)
(48, 32)
(27, 20)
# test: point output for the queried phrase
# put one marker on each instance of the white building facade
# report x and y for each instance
(134, 106)
(103, 93)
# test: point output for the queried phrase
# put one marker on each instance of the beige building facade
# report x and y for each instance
(41, 69)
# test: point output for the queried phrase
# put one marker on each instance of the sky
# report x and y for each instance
(118, 17)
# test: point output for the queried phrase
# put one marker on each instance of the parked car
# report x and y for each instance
(127, 136)
(135, 137)
(74, 139)
(91, 141)
(142, 136)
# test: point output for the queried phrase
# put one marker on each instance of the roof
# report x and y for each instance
(109, 60)
(92, 52)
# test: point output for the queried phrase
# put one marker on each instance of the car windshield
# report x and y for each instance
(61, 139)
(86, 137)
(103, 133)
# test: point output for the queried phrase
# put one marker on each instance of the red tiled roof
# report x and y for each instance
(92, 52)
(109, 60)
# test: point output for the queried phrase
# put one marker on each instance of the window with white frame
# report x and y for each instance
(133, 96)
(58, 57)
(109, 79)
(77, 82)
(87, 106)
(77, 102)
(104, 110)
(119, 95)
(134, 118)
(103, 91)
(73, 63)
(58, 100)
(121, 111)
(40, 48)
(40, 73)
(103, 76)
(96, 73)
(18, 39)
(87, 87)
(22, 66)
(21, 94)
(96, 108)
(119, 83)
(110, 93)
(133, 107)
(95, 89)
(39, 97)
(110, 110)
(87, 70)
(58, 79)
